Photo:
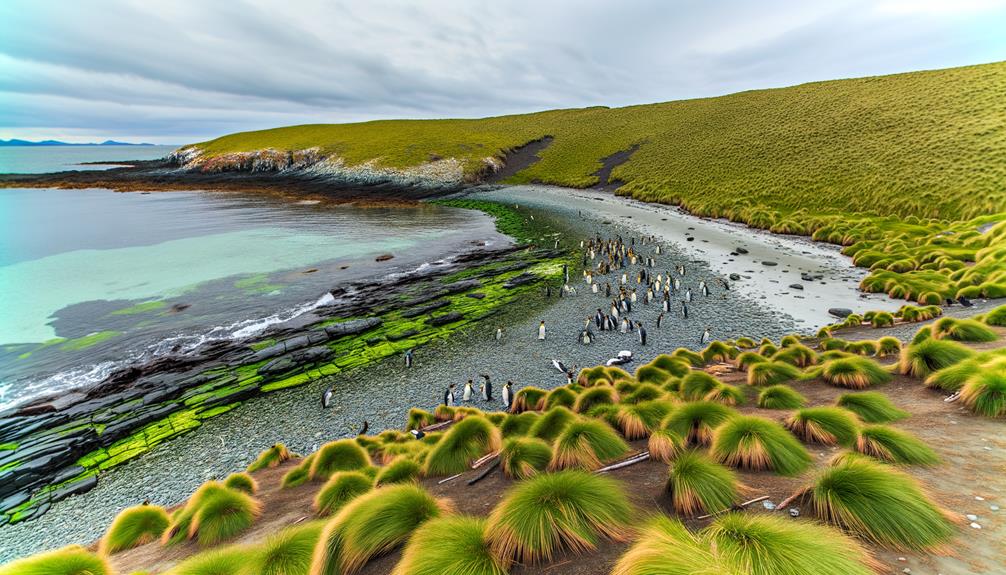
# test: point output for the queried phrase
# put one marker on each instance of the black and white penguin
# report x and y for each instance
(559, 365)
(541, 331)
(688, 295)
(326, 398)
(660, 319)
(487, 388)
(467, 392)
(642, 333)
(684, 310)
(666, 304)
(364, 428)
(508, 395)
(705, 337)
(499, 333)
(417, 433)
(449, 396)
(704, 288)
(408, 358)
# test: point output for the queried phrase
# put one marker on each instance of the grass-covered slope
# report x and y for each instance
(928, 144)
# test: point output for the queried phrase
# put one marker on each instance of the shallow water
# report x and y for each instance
(92, 279)
(45, 159)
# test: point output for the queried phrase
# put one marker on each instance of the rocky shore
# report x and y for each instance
(381, 391)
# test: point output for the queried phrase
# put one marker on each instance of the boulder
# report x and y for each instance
(796, 286)
(741, 250)
(445, 319)
(422, 310)
(735, 277)
(769, 263)
(841, 312)
(522, 279)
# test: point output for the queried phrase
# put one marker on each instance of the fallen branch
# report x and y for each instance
(451, 478)
(480, 461)
(737, 507)
(637, 458)
(485, 473)
(785, 502)
(435, 426)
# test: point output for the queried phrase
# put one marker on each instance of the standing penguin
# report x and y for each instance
(594, 288)
(642, 333)
(541, 331)
(364, 428)
(704, 288)
(508, 395)
(660, 318)
(705, 337)
(666, 304)
(688, 295)
(326, 398)
(449, 396)
(466, 394)
(624, 328)
(684, 310)
(607, 289)
(408, 358)
(487, 388)
(499, 333)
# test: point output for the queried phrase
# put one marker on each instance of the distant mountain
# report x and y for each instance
(58, 143)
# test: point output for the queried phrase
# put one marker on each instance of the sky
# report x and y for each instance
(189, 70)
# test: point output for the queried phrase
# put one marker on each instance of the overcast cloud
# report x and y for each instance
(188, 70)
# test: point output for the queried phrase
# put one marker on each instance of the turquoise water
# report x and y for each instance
(94, 279)
(44, 159)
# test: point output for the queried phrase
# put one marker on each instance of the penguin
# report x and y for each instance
(666, 305)
(417, 434)
(449, 396)
(660, 318)
(586, 337)
(607, 289)
(704, 288)
(487, 388)
(466, 394)
(559, 366)
(657, 251)
(499, 333)
(632, 297)
(508, 395)
(541, 331)
(594, 288)
(326, 398)
(614, 309)
(642, 333)
(705, 337)
(408, 358)
(599, 319)
(364, 428)
(684, 310)
(624, 328)
(688, 295)
(625, 278)
(677, 284)
(556, 243)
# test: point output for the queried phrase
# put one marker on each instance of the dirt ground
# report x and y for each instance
(970, 480)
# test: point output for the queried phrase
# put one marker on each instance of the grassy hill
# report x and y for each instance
(929, 144)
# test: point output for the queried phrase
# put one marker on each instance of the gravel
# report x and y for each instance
(383, 393)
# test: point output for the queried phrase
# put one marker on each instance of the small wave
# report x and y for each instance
(308, 202)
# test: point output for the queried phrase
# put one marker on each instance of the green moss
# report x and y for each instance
(145, 307)
(88, 340)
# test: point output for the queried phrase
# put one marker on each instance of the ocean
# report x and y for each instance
(93, 280)
(45, 159)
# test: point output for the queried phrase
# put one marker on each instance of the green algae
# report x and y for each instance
(89, 340)
(145, 307)
(256, 284)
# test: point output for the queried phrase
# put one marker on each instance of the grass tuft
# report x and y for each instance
(449, 545)
(923, 358)
(854, 372)
(551, 423)
(695, 421)
(241, 482)
(270, 458)
(697, 385)
(341, 455)
(756, 443)
(466, 441)
(827, 425)
(134, 526)
(894, 446)
(697, 484)
(586, 444)
(780, 397)
(287, 552)
(871, 407)
(590, 398)
(523, 457)
(222, 515)
(401, 470)
(771, 373)
(985, 393)
(341, 488)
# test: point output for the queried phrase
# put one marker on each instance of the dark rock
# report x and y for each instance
(841, 312)
(475, 295)
(75, 488)
(374, 340)
(522, 279)
(352, 327)
(769, 263)
(67, 473)
(278, 365)
(463, 285)
(402, 334)
(12, 501)
(445, 319)
(383, 258)
(422, 310)
(741, 250)
(796, 286)
(689, 239)
(735, 277)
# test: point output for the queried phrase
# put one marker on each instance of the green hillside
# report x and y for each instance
(930, 144)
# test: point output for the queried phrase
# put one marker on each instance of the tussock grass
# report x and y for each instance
(590, 398)
(726, 394)
(638, 420)
(182, 518)
(827, 425)
(767, 349)
(528, 399)
(371, 525)
(796, 354)
(996, 317)
(551, 423)
(695, 421)
(466, 441)
(449, 545)
(664, 445)
(241, 482)
(748, 358)
(690, 357)
(341, 455)
(880, 504)
(854, 373)
(444, 413)
(270, 458)
(401, 470)
(287, 552)
(673, 365)
(985, 393)
(523, 457)
(771, 373)
(295, 477)
(134, 526)
(882, 319)
(922, 358)
(696, 484)
(71, 560)
(780, 397)
(586, 444)
(565, 511)
(871, 406)
(756, 443)
(644, 392)
(788, 340)
(222, 515)
(341, 488)
(894, 446)
(832, 344)
(962, 330)
(745, 343)
(517, 424)
(591, 376)
(419, 418)
(230, 560)
(666, 547)
(649, 374)
(717, 351)
(560, 396)
(697, 385)
(888, 346)
(864, 348)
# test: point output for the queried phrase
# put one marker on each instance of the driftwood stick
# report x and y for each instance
(737, 507)
(480, 461)
(637, 458)
(436, 426)
(485, 473)
(799, 493)
(451, 478)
